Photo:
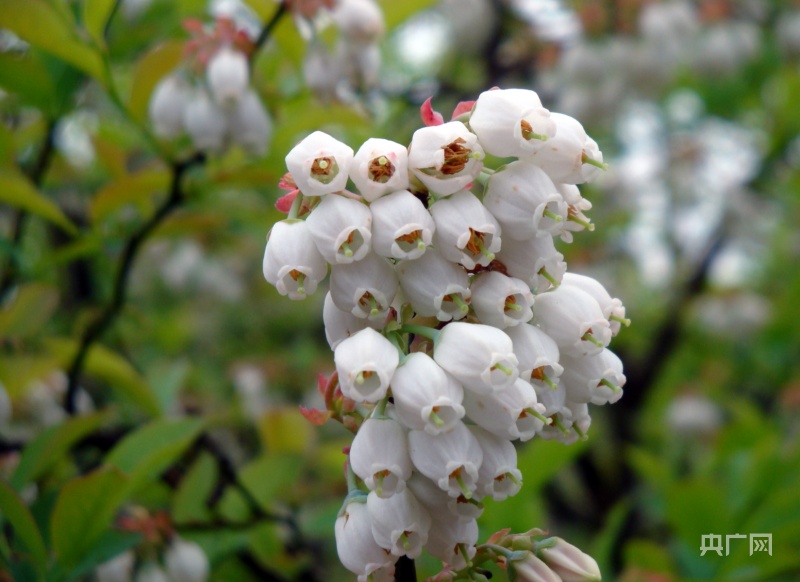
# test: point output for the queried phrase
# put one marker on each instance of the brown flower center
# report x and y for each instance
(381, 169)
(456, 157)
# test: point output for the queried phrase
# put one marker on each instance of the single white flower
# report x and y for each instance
(358, 551)
(365, 363)
(291, 260)
(597, 378)
(249, 124)
(479, 356)
(449, 540)
(365, 288)
(167, 104)
(573, 318)
(525, 202)
(445, 158)
(499, 476)
(571, 564)
(501, 301)
(379, 456)
(402, 226)
(320, 164)
(425, 397)
(613, 309)
(379, 167)
(228, 75)
(435, 287)
(340, 325)
(342, 229)
(581, 421)
(536, 261)
(186, 561)
(553, 400)
(538, 356)
(359, 20)
(513, 413)
(452, 460)
(511, 122)
(400, 523)
(571, 157)
(117, 569)
(205, 122)
(576, 206)
(466, 232)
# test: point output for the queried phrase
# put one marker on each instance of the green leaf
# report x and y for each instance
(395, 13)
(17, 371)
(110, 368)
(189, 503)
(84, 511)
(271, 476)
(36, 22)
(25, 76)
(111, 544)
(150, 450)
(30, 310)
(285, 430)
(18, 191)
(13, 509)
(52, 444)
(148, 72)
(137, 189)
(96, 14)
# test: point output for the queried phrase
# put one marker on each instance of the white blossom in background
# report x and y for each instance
(167, 104)
(228, 75)
(151, 572)
(117, 569)
(185, 561)
(454, 325)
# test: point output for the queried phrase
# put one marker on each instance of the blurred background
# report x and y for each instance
(696, 106)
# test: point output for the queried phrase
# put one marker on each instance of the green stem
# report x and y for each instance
(543, 272)
(422, 330)
(513, 306)
(549, 382)
(623, 320)
(294, 211)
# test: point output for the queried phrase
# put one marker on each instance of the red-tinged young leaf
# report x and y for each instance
(462, 108)
(497, 536)
(429, 116)
(315, 416)
(284, 203)
(287, 182)
(330, 390)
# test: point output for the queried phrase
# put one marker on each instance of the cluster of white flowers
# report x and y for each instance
(210, 98)
(184, 561)
(515, 345)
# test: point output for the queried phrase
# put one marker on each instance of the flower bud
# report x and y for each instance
(613, 309)
(186, 562)
(596, 378)
(573, 319)
(320, 164)
(571, 156)
(532, 569)
(117, 569)
(167, 104)
(513, 413)
(228, 75)
(568, 561)
(359, 20)
(538, 356)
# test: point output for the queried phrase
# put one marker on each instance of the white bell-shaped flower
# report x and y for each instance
(342, 229)
(536, 261)
(228, 75)
(425, 397)
(186, 561)
(538, 356)
(499, 476)
(435, 287)
(167, 104)
(571, 157)
(466, 232)
(379, 456)
(573, 318)
(445, 158)
(151, 572)
(358, 551)
(525, 202)
(379, 167)
(552, 400)
(205, 122)
(359, 20)
(513, 413)
(402, 226)
(613, 309)
(511, 122)
(249, 124)
(340, 325)
(597, 379)
(479, 356)
(365, 288)
(439, 504)
(449, 540)
(560, 427)
(452, 460)
(320, 164)
(400, 523)
(581, 421)
(291, 260)
(365, 363)
(117, 569)
(501, 301)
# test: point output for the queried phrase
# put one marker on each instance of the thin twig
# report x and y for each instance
(96, 329)
(266, 32)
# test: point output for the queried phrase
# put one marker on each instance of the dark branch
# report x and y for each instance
(266, 32)
(97, 328)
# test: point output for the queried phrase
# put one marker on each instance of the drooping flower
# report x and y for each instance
(400, 523)
(379, 167)
(379, 456)
(365, 363)
(466, 232)
(342, 229)
(291, 260)
(358, 551)
(501, 301)
(365, 288)
(402, 227)
(452, 460)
